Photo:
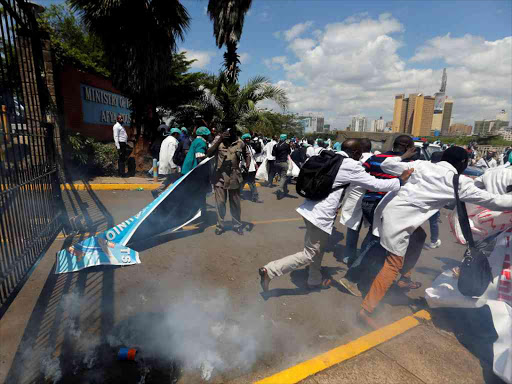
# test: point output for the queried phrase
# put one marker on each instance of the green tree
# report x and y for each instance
(71, 42)
(223, 101)
(228, 20)
(140, 39)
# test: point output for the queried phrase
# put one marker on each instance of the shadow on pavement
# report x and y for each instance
(73, 309)
(474, 329)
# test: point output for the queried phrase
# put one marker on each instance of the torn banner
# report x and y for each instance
(177, 206)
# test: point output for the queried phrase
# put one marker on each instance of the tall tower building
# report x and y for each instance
(447, 116)
(422, 115)
(399, 113)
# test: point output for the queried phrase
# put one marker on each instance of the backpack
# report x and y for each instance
(317, 175)
(179, 155)
(256, 145)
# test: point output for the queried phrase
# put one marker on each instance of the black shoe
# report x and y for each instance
(257, 201)
(279, 195)
(219, 231)
(264, 279)
(239, 231)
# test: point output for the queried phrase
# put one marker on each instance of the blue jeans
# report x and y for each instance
(434, 226)
(351, 246)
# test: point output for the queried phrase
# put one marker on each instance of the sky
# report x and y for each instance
(341, 58)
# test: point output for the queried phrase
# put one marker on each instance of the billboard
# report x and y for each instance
(439, 102)
(102, 107)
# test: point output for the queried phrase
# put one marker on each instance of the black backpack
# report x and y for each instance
(256, 145)
(179, 155)
(317, 175)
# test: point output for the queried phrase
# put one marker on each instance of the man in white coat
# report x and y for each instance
(271, 159)
(351, 211)
(400, 214)
(487, 162)
(166, 165)
(319, 217)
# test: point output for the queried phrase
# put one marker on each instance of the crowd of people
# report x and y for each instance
(392, 193)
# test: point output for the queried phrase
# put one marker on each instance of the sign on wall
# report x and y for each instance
(102, 107)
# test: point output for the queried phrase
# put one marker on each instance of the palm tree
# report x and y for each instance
(140, 38)
(228, 21)
(225, 101)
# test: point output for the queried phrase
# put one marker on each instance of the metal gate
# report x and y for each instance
(29, 186)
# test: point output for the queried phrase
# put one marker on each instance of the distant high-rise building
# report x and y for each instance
(489, 127)
(359, 124)
(502, 116)
(413, 115)
(399, 113)
(460, 129)
(327, 127)
(447, 115)
(313, 124)
(377, 125)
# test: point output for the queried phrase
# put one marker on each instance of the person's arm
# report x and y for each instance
(246, 155)
(212, 151)
(116, 136)
(394, 165)
(470, 193)
(363, 179)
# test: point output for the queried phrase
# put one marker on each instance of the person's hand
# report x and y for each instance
(409, 153)
(405, 175)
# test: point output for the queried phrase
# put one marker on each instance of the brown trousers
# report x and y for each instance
(221, 195)
(393, 265)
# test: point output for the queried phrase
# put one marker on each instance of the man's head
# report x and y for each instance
(402, 143)
(175, 132)
(274, 137)
(203, 132)
(366, 145)
(456, 156)
(490, 155)
(283, 137)
(321, 143)
(184, 130)
(246, 137)
(352, 147)
(120, 119)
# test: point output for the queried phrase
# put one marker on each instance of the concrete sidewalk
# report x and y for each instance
(423, 354)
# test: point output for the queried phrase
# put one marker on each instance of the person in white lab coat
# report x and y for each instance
(319, 218)
(166, 165)
(271, 159)
(487, 161)
(400, 214)
(498, 180)
(351, 211)
(250, 174)
(310, 151)
(120, 139)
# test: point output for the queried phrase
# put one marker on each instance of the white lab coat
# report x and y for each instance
(496, 180)
(323, 213)
(310, 151)
(429, 189)
(169, 146)
(252, 153)
(483, 164)
(259, 157)
(268, 150)
(351, 211)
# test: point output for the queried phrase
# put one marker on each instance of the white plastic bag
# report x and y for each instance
(262, 172)
(293, 169)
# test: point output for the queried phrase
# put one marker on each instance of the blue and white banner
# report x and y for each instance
(177, 206)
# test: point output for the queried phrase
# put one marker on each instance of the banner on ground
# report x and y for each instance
(177, 206)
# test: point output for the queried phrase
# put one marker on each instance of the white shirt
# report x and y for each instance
(489, 164)
(322, 213)
(317, 150)
(351, 211)
(260, 156)
(252, 153)
(429, 189)
(310, 151)
(167, 150)
(496, 180)
(120, 135)
(268, 150)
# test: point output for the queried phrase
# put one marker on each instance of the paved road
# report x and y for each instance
(196, 296)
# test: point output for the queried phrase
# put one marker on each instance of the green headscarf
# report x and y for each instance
(246, 136)
(202, 131)
(283, 136)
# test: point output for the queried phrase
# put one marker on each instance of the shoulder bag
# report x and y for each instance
(475, 271)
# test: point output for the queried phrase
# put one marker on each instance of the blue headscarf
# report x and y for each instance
(246, 136)
(202, 131)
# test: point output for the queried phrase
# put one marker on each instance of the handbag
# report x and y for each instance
(475, 270)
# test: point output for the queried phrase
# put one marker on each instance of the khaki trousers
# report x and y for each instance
(315, 241)
(221, 195)
(393, 265)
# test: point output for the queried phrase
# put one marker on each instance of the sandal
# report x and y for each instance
(404, 283)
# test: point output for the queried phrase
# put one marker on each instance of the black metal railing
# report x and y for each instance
(29, 185)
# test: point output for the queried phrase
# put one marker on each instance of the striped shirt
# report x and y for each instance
(373, 167)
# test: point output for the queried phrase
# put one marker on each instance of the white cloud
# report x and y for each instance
(354, 67)
(295, 31)
(245, 58)
(203, 58)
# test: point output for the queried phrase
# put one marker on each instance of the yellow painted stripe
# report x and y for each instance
(192, 227)
(344, 352)
(116, 187)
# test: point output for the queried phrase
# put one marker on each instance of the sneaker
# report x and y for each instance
(345, 260)
(264, 279)
(437, 244)
(350, 287)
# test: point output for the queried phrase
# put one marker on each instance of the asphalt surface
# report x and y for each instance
(195, 298)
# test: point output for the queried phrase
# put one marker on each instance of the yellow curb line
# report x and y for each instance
(117, 187)
(187, 227)
(344, 352)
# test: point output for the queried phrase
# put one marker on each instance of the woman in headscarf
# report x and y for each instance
(197, 151)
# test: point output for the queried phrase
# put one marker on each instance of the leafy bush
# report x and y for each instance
(92, 157)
